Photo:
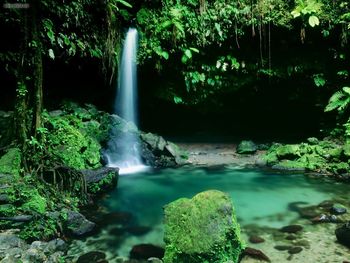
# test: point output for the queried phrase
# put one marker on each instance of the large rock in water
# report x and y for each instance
(202, 229)
(78, 225)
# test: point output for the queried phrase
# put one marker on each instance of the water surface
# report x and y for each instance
(259, 197)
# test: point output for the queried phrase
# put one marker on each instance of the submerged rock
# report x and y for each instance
(246, 147)
(343, 234)
(254, 253)
(146, 251)
(202, 229)
(256, 239)
(93, 256)
(295, 250)
(78, 225)
(291, 229)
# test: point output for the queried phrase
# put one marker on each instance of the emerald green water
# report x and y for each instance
(259, 197)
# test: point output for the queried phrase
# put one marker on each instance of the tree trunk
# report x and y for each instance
(29, 102)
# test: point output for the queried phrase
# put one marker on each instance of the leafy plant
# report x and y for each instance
(339, 100)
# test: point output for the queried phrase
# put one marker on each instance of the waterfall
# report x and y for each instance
(124, 147)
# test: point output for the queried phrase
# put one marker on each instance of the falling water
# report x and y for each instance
(124, 147)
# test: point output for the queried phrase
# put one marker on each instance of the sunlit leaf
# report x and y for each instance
(51, 54)
(188, 53)
(314, 21)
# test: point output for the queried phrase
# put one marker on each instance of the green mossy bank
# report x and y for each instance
(43, 185)
(328, 156)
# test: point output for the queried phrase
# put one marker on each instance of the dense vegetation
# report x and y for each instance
(211, 56)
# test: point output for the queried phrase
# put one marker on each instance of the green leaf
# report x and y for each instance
(178, 100)
(295, 13)
(184, 59)
(165, 55)
(346, 90)
(314, 21)
(325, 33)
(51, 54)
(319, 80)
(194, 49)
(166, 24)
(218, 28)
(188, 53)
(51, 36)
(124, 3)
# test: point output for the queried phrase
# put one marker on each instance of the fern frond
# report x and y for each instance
(335, 101)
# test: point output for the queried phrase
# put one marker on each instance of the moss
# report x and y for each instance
(288, 151)
(44, 228)
(35, 203)
(346, 150)
(288, 165)
(202, 229)
(7, 210)
(10, 163)
(72, 145)
(106, 183)
(339, 168)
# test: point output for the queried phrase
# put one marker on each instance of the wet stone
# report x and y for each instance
(338, 209)
(145, 251)
(308, 212)
(327, 204)
(291, 237)
(291, 229)
(282, 247)
(255, 253)
(343, 234)
(295, 250)
(256, 239)
(325, 219)
(93, 256)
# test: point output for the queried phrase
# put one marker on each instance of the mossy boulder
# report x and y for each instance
(71, 144)
(10, 163)
(288, 151)
(246, 147)
(202, 229)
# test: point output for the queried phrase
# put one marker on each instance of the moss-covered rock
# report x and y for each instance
(246, 147)
(288, 151)
(202, 229)
(69, 142)
(10, 163)
(288, 165)
(101, 180)
(326, 156)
